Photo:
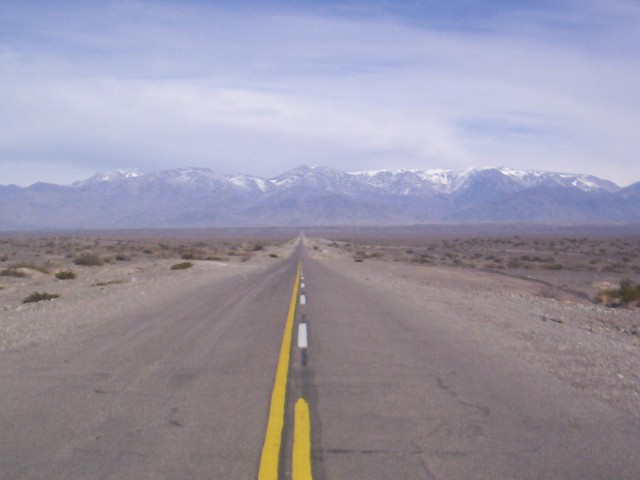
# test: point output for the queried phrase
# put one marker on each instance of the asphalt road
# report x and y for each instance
(399, 391)
(394, 391)
(178, 392)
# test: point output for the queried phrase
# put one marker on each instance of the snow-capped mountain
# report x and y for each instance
(120, 174)
(195, 197)
(396, 182)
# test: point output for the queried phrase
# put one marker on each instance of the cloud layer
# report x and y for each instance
(260, 87)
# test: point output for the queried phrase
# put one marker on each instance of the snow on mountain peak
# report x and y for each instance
(119, 174)
(395, 182)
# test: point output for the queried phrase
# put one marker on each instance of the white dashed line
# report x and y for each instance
(303, 299)
(302, 336)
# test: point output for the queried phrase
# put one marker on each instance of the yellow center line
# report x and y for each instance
(301, 456)
(273, 436)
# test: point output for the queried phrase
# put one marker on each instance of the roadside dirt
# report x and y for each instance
(102, 292)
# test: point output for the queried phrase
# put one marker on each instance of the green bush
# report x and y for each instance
(40, 296)
(182, 266)
(65, 275)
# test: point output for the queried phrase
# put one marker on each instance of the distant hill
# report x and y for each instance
(198, 197)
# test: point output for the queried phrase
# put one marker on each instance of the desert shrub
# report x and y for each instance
(89, 260)
(257, 247)
(65, 275)
(12, 272)
(39, 296)
(553, 266)
(42, 268)
(122, 257)
(105, 284)
(273, 255)
(628, 293)
(181, 266)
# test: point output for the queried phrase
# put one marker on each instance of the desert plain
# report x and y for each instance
(534, 291)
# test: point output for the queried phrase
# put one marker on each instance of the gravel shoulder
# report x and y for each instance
(593, 348)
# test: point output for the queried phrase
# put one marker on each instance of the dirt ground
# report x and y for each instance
(97, 278)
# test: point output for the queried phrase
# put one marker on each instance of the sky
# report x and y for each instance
(260, 87)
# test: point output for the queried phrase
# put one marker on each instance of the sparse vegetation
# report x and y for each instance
(89, 260)
(627, 294)
(42, 268)
(106, 284)
(182, 266)
(12, 272)
(505, 253)
(65, 275)
(574, 266)
(39, 297)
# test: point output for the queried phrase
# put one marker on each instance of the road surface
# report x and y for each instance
(394, 390)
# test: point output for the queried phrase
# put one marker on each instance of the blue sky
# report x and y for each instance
(260, 87)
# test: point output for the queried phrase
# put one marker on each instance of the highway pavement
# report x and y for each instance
(375, 386)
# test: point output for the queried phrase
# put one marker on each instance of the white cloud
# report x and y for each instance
(160, 85)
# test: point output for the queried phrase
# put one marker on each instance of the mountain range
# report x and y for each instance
(199, 197)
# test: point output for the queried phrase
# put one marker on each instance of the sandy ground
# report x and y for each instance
(99, 294)
(594, 348)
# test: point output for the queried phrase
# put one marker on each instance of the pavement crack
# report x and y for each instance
(348, 451)
(443, 386)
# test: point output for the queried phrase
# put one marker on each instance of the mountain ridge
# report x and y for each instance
(318, 195)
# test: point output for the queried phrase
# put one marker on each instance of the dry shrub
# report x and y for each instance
(65, 275)
(40, 296)
(181, 266)
(89, 260)
(627, 294)
(12, 272)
